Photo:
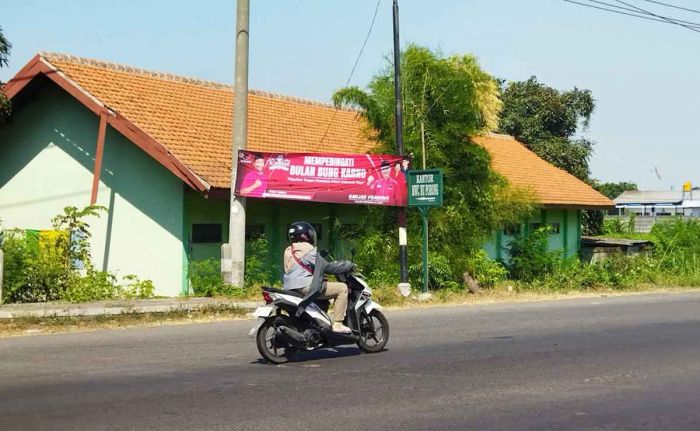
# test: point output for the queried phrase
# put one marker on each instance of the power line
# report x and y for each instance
(352, 72)
(691, 23)
(670, 20)
(618, 12)
(673, 6)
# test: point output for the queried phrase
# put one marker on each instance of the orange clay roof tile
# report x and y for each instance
(552, 186)
(193, 119)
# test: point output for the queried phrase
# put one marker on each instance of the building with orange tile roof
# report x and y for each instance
(155, 150)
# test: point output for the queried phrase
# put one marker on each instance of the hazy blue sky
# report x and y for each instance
(644, 75)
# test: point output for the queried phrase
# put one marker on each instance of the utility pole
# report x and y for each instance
(404, 286)
(233, 253)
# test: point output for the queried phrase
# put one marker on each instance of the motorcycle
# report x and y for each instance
(284, 329)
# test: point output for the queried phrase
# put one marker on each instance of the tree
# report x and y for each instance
(613, 190)
(546, 121)
(446, 100)
(4, 58)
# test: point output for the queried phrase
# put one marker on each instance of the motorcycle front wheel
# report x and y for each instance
(272, 349)
(374, 332)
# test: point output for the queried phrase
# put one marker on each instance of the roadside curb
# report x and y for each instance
(107, 308)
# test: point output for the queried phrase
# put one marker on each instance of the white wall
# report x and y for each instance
(46, 162)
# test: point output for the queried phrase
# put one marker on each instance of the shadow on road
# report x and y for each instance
(314, 355)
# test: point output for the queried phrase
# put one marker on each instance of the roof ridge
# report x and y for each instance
(499, 136)
(55, 56)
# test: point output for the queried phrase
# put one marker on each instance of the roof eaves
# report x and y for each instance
(40, 65)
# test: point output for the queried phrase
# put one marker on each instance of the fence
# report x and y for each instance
(643, 224)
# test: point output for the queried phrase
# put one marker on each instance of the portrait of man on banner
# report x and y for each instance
(254, 179)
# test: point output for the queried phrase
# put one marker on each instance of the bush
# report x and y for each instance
(136, 289)
(205, 276)
(439, 273)
(530, 257)
(36, 269)
(46, 266)
(259, 268)
(94, 286)
(485, 270)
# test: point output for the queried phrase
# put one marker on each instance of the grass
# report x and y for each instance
(49, 325)
(510, 292)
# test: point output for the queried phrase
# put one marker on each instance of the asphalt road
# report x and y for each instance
(629, 363)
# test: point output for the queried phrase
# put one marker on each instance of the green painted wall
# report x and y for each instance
(46, 162)
(273, 216)
(567, 240)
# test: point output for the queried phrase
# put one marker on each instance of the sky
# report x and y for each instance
(645, 76)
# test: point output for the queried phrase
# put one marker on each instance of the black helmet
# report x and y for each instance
(301, 231)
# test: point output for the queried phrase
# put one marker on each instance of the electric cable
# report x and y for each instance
(665, 21)
(670, 20)
(352, 72)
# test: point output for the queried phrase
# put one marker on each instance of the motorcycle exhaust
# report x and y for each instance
(292, 336)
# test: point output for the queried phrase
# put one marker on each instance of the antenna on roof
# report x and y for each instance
(656, 171)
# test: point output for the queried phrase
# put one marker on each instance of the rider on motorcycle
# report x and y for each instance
(301, 260)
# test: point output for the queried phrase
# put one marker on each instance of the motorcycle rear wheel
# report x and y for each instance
(373, 338)
(269, 347)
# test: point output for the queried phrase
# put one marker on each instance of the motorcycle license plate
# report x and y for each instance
(263, 311)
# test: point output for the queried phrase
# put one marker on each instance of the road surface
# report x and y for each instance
(623, 363)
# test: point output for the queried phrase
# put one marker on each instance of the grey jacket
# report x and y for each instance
(298, 277)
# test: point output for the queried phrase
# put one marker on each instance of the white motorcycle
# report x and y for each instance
(284, 329)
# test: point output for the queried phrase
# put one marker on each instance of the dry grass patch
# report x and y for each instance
(50, 325)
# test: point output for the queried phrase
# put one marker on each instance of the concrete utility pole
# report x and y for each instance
(233, 253)
(404, 286)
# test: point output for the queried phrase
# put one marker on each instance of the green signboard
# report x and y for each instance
(425, 188)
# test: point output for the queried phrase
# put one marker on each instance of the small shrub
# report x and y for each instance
(530, 257)
(439, 273)
(205, 276)
(136, 289)
(94, 286)
(43, 266)
(485, 270)
(259, 268)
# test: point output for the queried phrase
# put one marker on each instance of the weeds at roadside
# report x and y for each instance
(48, 325)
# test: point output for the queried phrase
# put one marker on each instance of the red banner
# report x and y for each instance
(370, 179)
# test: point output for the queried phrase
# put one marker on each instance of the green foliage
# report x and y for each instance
(592, 222)
(5, 106)
(439, 273)
(451, 98)
(677, 247)
(134, 288)
(616, 272)
(259, 268)
(485, 270)
(613, 190)
(205, 275)
(94, 286)
(530, 257)
(77, 242)
(546, 121)
(40, 267)
(616, 225)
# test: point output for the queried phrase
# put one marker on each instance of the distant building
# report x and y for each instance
(659, 203)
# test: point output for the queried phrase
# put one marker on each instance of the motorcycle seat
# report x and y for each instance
(284, 292)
